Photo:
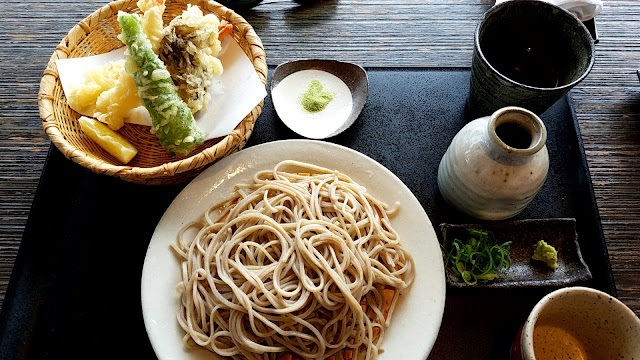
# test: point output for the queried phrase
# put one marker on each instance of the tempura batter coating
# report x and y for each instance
(172, 119)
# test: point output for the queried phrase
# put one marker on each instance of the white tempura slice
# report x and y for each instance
(107, 92)
(113, 105)
(152, 24)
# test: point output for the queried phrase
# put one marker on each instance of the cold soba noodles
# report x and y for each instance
(299, 263)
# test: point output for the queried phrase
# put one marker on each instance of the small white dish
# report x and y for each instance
(417, 318)
(347, 84)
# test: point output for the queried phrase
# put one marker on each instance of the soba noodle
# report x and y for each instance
(296, 262)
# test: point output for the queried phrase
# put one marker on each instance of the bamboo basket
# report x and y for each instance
(97, 34)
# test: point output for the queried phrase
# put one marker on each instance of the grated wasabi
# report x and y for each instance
(545, 253)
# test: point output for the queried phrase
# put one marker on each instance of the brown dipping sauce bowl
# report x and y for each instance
(578, 323)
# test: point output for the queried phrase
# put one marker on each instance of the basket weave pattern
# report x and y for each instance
(97, 34)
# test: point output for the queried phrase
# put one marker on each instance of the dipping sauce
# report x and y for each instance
(514, 135)
(551, 342)
(327, 97)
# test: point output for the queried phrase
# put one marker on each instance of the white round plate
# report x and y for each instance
(314, 125)
(416, 320)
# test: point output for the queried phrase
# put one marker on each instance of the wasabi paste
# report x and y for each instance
(315, 98)
(545, 253)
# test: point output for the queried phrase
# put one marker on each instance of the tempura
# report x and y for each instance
(189, 49)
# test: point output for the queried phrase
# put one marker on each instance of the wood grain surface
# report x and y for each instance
(425, 33)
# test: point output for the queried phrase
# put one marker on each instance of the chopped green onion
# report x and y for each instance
(479, 258)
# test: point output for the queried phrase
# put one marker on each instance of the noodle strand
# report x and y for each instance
(298, 260)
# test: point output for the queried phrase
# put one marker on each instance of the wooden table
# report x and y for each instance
(426, 33)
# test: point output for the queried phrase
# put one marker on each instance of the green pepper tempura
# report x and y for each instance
(172, 119)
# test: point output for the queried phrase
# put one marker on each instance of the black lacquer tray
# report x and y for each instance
(75, 289)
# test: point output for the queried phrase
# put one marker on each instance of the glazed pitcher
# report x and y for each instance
(495, 165)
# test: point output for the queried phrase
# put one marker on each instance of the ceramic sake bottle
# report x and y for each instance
(495, 165)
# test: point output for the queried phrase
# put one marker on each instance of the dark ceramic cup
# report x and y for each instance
(527, 53)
